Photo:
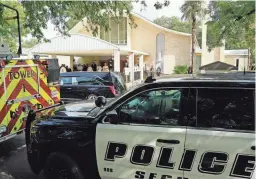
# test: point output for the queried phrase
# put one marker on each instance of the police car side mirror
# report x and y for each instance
(112, 117)
(100, 101)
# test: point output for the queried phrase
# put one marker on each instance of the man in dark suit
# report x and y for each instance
(94, 66)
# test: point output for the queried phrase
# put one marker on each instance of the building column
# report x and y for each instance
(71, 58)
(117, 60)
(131, 67)
(141, 60)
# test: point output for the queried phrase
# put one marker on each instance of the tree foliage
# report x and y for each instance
(175, 23)
(63, 15)
(8, 26)
(233, 21)
(29, 43)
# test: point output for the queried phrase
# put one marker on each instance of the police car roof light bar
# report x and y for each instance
(18, 23)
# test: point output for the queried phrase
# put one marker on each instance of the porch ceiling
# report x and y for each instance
(80, 53)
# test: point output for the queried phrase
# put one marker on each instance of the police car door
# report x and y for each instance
(222, 145)
(148, 139)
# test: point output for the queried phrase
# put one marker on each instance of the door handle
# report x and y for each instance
(168, 141)
(253, 147)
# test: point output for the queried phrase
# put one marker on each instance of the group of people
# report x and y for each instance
(92, 67)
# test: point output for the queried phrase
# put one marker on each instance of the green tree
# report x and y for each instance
(233, 21)
(192, 10)
(8, 25)
(29, 43)
(175, 23)
(63, 14)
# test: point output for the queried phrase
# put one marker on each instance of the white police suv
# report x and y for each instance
(194, 127)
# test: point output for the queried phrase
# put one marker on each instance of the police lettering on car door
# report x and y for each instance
(211, 162)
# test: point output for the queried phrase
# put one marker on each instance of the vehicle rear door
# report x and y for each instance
(222, 143)
(67, 86)
(148, 141)
(21, 85)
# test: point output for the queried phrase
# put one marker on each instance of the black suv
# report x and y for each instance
(187, 127)
(89, 85)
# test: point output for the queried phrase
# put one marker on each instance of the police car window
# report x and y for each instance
(153, 107)
(226, 108)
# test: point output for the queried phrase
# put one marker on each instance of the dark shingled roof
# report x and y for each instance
(218, 66)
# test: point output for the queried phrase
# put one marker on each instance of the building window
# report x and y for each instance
(117, 33)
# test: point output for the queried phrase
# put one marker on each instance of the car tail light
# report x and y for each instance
(112, 88)
(2, 63)
(45, 62)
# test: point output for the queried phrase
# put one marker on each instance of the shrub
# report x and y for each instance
(181, 69)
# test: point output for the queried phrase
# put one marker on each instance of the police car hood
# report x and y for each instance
(78, 109)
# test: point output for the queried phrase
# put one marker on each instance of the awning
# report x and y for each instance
(79, 45)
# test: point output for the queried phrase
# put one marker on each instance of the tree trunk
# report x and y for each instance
(193, 44)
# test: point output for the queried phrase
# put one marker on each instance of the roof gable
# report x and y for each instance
(218, 66)
(80, 25)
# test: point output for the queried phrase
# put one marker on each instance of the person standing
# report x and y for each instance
(85, 67)
(105, 68)
(94, 66)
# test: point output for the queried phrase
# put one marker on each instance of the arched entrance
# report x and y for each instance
(160, 46)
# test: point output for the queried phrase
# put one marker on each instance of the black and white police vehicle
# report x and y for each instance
(173, 128)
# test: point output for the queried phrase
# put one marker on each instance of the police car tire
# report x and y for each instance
(73, 170)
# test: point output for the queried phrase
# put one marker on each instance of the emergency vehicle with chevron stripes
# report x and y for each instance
(25, 85)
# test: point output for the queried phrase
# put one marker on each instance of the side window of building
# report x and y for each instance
(226, 108)
(162, 107)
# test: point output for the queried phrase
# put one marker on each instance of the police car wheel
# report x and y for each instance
(61, 166)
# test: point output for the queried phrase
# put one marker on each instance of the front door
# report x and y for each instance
(222, 144)
(148, 141)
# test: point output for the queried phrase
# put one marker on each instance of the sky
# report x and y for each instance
(150, 13)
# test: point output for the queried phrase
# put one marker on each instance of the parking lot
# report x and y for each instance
(13, 160)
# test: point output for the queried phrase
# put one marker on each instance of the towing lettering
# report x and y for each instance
(21, 74)
(211, 162)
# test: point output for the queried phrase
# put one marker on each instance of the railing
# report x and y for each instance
(136, 75)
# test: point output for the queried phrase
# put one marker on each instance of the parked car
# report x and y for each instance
(185, 127)
(89, 85)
